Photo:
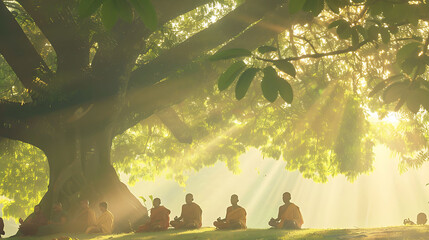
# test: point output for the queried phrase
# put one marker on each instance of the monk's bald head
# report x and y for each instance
(234, 199)
(189, 198)
(286, 197)
(156, 202)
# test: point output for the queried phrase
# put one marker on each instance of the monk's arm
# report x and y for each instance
(279, 217)
(181, 215)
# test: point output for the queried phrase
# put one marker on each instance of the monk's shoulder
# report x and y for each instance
(196, 206)
(241, 208)
(294, 206)
(166, 209)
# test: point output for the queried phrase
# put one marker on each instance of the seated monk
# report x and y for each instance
(289, 216)
(57, 223)
(104, 222)
(159, 218)
(84, 219)
(1, 227)
(31, 225)
(235, 217)
(421, 219)
(190, 217)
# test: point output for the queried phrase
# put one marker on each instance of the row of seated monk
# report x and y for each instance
(289, 217)
(85, 221)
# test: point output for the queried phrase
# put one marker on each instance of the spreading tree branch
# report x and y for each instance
(143, 102)
(67, 36)
(20, 54)
(218, 33)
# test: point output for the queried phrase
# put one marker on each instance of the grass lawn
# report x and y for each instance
(403, 232)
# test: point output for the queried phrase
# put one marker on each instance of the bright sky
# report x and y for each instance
(382, 198)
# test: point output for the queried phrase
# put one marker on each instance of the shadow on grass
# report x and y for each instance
(415, 233)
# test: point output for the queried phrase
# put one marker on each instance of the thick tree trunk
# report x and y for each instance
(80, 168)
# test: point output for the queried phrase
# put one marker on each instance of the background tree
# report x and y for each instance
(100, 86)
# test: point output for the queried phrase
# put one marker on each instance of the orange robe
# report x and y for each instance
(1, 227)
(31, 225)
(191, 217)
(159, 220)
(84, 219)
(105, 222)
(235, 219)
(289, 213)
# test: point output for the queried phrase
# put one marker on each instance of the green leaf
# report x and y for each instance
(230, 75)
(147, 13)
(151, 198)
(143, 199)
(88, 7)
(336, 23)
(385, 35)
(285, 67)
(314, 6)
(109, 14)
(414, 99)
(230, 53)
(362, 31)
(381, 85)
(344, 30)
(266, 49)
(413, 66)
(373, 33)
(395, 91)
(244, 82)
(407, 51)
(269, 84)
(285, 90)
(125, 10)
(376, 8)
(296, 6)
(334, 5)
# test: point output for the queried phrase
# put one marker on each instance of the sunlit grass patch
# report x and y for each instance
(401, 232)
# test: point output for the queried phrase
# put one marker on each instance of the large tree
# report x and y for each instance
(94, 70)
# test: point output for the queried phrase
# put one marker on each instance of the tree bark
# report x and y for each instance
(80, 168)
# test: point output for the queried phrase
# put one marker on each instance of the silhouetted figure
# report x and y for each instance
(104, 222)
(235, 216)
(57, 223)
(191, 216)
(421, 219)
(159, 218)
(84, 219)
(289, 216)
(31, 225)
(1, 227)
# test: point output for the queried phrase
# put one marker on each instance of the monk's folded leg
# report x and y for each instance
(177, 224)
(221, 225)
(274, 223)
(158, 227)
(144, 228)
(236, 225)
(290, 224)
(93, 229)
(29, 229)
(191, 225)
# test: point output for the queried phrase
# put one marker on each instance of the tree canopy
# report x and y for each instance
(306, 81)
